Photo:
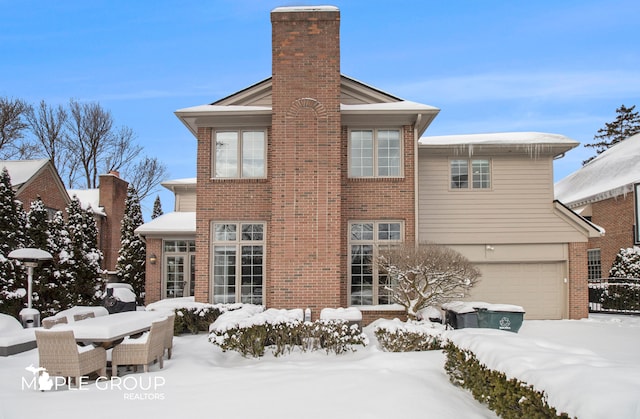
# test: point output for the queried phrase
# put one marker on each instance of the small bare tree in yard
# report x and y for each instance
(426, 275)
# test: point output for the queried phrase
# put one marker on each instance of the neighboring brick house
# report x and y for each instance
(302, 176)
(605, 191)
(108, 204)
(31, 179)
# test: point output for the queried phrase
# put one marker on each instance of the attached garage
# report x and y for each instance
(538, 287)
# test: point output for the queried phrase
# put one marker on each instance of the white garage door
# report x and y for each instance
(538, 287)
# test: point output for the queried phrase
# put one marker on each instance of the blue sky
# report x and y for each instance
(490, 66)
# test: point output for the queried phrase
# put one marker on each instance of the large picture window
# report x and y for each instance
(367, 286)
(238, 262)
(470, 174)
(239, 154)
(375, 153)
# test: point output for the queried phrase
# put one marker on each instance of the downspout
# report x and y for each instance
(415, 179)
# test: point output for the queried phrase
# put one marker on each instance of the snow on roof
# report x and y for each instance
(288, 9)
(402, 106)
(183, 181)
(22, 170)
(224, 108)
(170, 223)
(89, 198)
(611, 174)
(171, 184)
(499, 139)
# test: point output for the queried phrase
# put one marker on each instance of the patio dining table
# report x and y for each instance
(108, 330)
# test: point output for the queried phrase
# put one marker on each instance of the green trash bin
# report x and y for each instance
(503, 320)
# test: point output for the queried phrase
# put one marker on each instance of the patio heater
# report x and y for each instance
(31, 258)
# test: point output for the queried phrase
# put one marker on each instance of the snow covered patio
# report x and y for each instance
(201, 380)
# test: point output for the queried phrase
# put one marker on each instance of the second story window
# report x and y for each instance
(239, 154)
(375, 153)
(470, 174)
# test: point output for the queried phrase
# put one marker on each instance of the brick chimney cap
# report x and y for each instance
(293, 9)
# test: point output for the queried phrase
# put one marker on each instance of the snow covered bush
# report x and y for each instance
(334, 336)
(509, 398)
(281, 331)
(397, 336)
(191, 316)
(426, 275)
(626, 263)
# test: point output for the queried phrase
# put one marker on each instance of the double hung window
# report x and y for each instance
(239, 154)
(375, 153)
(368, 286)
(594, 265)
(470, 174)
(238, 262)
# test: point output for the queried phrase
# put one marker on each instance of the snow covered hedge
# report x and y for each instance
(250, 333)
(191, 316)
(617, 294)
(509, 398)
(397, 336)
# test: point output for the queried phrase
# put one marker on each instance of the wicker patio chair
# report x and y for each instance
(168, 336)
(142, 351)
(82, 316)
(50, 322)
(59, 354)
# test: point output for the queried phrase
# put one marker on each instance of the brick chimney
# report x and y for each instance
(113, 193)
(306, 236)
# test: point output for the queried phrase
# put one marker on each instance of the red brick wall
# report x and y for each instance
(45, 184)
(153, 278)
(578, 286)
(305, 239)
(378, 199)
(113, 193)
(224, 200)
(616, 215)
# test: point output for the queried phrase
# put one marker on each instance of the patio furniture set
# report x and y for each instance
(73, 349)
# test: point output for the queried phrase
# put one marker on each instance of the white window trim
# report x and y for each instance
(164, 254)
(238, 243)
(239, 154)
(375, 152)
(470, 174)
(376, 243)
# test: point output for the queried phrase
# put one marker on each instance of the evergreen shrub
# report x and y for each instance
(509, 398)
(194, 319)
(252, 340)
(409, 338)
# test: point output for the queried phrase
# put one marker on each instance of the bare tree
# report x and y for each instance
(12, 127)
(47, 124)
(121, 150)
(426, 275)
(145, 176)
(89, 127)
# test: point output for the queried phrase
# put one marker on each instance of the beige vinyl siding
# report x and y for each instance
(186, 200)
(518, 208)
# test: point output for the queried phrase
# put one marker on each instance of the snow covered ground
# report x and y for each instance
(369, 383)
